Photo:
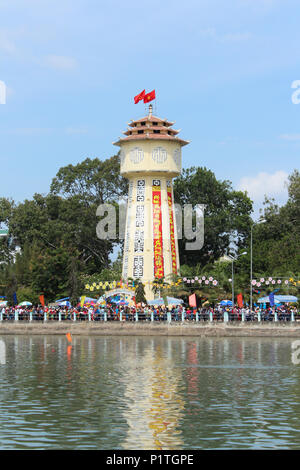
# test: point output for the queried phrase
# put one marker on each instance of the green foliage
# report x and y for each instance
(140, 293)
(226, 216)
(60, 252)
(26, 293)
(93, 181)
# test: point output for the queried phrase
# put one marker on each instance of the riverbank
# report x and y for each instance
(231, 329)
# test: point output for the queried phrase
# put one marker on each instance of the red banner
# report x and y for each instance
(172, 230)
(139, 97)
(239, 298)
(157, 231)
(192, 300)
(149, 96)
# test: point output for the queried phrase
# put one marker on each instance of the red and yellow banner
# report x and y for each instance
(157, 231)
(172, 230)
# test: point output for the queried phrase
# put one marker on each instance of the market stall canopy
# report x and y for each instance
(278, 299)
(159, 301)
(174, 301)
(25, 304)
(3, 304)
(64, 303)
(226, 303)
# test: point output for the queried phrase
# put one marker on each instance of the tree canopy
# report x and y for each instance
(60, 251)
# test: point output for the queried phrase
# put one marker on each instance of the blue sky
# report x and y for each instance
(223, 70)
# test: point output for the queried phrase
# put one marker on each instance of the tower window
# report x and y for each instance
(156, 132)
(155, 123)
(140, 132)
(143, 123)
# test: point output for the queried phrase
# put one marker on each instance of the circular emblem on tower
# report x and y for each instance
(136, 155)
(159, 155)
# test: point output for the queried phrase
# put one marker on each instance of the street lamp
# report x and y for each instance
(233, 259)
(261, 221)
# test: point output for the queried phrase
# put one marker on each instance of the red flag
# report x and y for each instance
(42, 300)
(192, 300)
(139, 97)
(239, 299)
(149, 97)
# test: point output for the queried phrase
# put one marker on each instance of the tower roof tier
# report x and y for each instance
(152, 128)
(150, 119)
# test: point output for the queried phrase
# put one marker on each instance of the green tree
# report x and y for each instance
(140, 293)
(226, 216)
(93, 181)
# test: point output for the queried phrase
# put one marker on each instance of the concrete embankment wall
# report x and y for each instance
(152, 329)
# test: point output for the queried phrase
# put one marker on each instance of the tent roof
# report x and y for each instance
(159, 301)
(278, 299)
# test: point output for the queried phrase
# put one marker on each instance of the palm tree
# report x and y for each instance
(159, 284)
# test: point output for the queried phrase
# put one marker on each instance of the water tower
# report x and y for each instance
(150, 159)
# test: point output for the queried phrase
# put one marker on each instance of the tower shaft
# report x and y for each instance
(150, 159)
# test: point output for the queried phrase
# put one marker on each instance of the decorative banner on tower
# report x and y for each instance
(140, 191)
(138, 267)
(172, 228)
(157, 230)
(127, 235)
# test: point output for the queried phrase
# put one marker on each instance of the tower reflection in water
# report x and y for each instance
(154, 407)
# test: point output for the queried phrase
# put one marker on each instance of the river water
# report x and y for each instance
(148, 393)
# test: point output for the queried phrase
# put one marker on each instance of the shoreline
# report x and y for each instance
(233, 329)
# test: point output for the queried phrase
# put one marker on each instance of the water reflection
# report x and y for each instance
(154, 401)
(148, 393)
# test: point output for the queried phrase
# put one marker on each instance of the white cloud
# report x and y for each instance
(6, 45)
(259, 4)
(227, 37)
(292, 137)
(59, 62)
(270, 184)
(235, 37)
(27, 131)
(76, 130)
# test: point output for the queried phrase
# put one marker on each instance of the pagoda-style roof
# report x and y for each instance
(150, 119)
(150, 128)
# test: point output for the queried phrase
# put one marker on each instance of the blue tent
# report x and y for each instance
(173, 301)
(278, 299)
(156, 302)
(226, 303)
(65, 303)
(62, 300)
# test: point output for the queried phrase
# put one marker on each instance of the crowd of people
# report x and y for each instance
(113, 312)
